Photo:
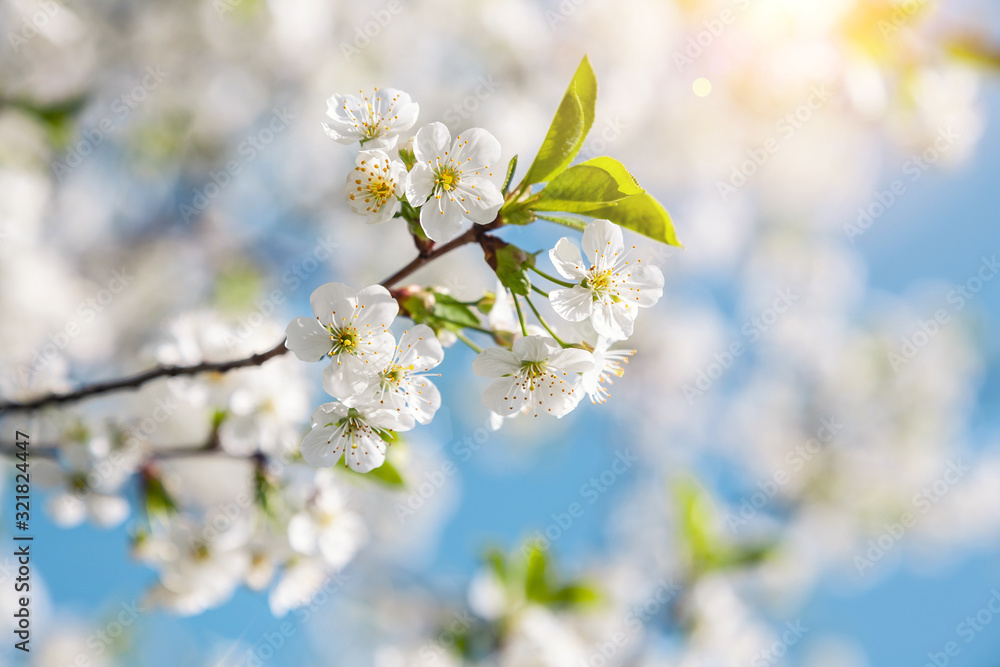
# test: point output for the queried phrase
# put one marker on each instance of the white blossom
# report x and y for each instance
(352, 328)
(611, 288)
(449, 180)
(403, 385)
(607, 363)
(354, 433)
(536, 375)
(375, 121)
(375, 185)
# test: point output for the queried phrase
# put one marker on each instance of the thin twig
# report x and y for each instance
(475, 234)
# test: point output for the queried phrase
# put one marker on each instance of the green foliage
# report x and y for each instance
(159, 503)
(569, 128)
(510, 263)
(707, 550)
(591, 185)
(453, 312)
(641, 213)
(511, 166)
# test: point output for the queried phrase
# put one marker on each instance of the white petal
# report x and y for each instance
(603, 243)
(347, 376)
(568, 261)
(67, 510)
(307, 339)
(573, 360)
(534, 348)
(502, 397)
(475, 149)
(481, 199)
(376, 309)
(644, 285)
(423, 400)
(365, 453)
(390, 420)
(420, 348)
(419, 184)
(302, 533)
(573, 304)
(327, 414)
(322, 447)
(494, 362)
(441, 219)
(333, 302)
(431, 142)
(613, 319)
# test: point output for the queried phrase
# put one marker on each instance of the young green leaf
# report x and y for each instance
(454, 312)
(510, 263)
(587, 186)
(641, 213)
(565, 220)
(511, 166)
(569, 128)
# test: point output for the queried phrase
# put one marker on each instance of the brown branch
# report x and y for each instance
(475, 234)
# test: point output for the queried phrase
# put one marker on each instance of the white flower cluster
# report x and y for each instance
(448, 182)
(381, 386)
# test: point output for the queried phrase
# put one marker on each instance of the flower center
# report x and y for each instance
(344, 340)
(532, 372)
(601, 283)
(392, 376)
(380, 191)
(447, 178)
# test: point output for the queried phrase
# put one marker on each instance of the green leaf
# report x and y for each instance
(569, 128)
(587, 186)
(575, 595)
(565, 220)
(386, 473)
(510, 263)
(511, 166)
(641, 213)
(536, 581)
(457, 314)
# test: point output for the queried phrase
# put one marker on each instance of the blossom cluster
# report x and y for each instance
(435, 183)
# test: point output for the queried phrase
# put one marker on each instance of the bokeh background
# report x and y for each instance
(837, 155)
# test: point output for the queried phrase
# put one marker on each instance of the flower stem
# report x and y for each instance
(545, 294)
(545, 324)
(520, 315)
(465, 339)
(557, 281)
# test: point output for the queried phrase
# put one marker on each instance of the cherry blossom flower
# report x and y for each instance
(375, 121)
(375, 185)
(607, 363)
(535, 372)
(403, 385)
(354, 433)
(352, 328)
(326, 527)
(611, 288)
(450, 180)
